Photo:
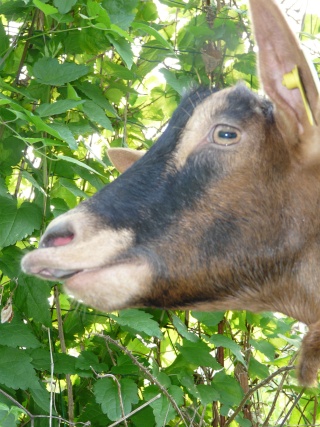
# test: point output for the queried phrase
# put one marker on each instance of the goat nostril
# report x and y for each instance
(62, 241)
(54, 241)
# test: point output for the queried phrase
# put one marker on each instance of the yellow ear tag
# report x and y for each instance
(292, 80)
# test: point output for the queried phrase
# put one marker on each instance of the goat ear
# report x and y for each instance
(123, 158)
(297, 109)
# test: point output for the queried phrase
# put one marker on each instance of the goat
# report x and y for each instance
(221, 213)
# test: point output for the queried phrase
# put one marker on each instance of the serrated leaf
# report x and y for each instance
(209, 319)
(207, 394)
(222, 341)
(71, 186)
(64, 6)
(107, 394)
(139, 321)
(16, 370)
(183, 330)
(198, 354)
(95, 10)
(173, 81)
(77, 162)
(49, 71)
(41, 396)
(152, 32)
(162, 408)
(64, 364)
(87, 361)
(15, 223)
(17, 334)
(32, 298)
(47, 9)
(57, 107)
(123, 48)
(10, 261)
(96, 114)
(121, 12)
(257, 369)
(125, 366)
(264, 347)
(228, 388)
(97, 96)
(32, 181)
(65, 134)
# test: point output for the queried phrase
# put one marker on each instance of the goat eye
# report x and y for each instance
(225, 135)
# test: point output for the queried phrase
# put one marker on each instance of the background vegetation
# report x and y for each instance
(76, 77)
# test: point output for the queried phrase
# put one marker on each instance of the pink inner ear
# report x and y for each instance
(62, 241)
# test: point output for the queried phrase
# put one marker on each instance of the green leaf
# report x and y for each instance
(121, 12)
(207, 393)
(95, 10)
(64, 364)
(10, 261)
(31, 297)
(198, 354)
(183, 330)
(57, 107)
(16, 370)
(123, 48)
(78, 163)
(257, 369)
(15, 223)
(152, 32)
(32, 181)
(97, 96)
(9, 417)
(41, 396)
(71, 186)
(209, 319)
(125, 366)
(107, 394)
(65, 134)
(179, 86)
(138, 320)
(265, 347)
(64, 6)
(17, 334)
(4, 40)
(49, 71)
(162, 408)
(222, 341)
(228, 388)
(96, 114)
(47, 9)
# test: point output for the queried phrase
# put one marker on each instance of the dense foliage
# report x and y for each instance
(76, 77)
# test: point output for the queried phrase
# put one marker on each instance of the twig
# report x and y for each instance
(296, 400)
(136, 410)
(266, 423)
(253, 390)
(64, 350)
(51, 377)
(115, 379)
(147, 374)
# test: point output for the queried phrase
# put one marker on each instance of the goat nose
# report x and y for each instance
(57, 235)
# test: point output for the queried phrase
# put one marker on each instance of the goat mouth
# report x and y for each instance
(57, 274)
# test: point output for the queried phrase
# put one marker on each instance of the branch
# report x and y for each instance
(147, 374)
(254, 389)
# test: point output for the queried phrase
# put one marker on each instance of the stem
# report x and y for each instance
(253, 390)
(147, 374)
(64, 350)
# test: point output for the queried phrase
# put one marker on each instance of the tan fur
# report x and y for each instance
(123, 158)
